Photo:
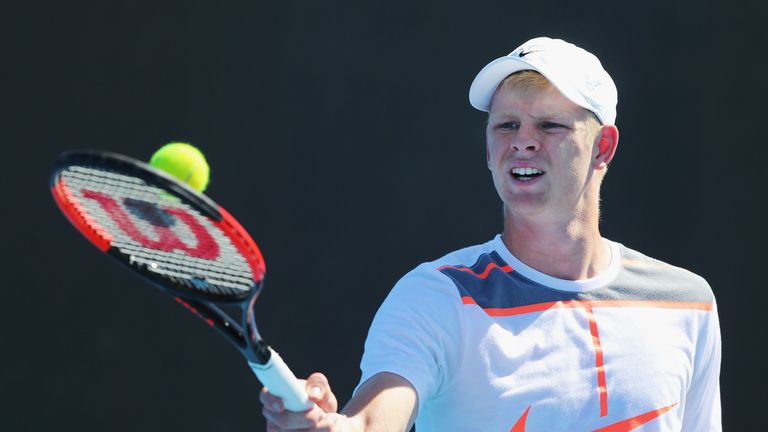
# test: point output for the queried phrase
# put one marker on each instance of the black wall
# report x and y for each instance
(340, 134)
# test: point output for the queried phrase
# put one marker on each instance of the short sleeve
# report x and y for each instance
(416, 333)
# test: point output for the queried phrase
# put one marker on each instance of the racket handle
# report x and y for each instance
(281, 382)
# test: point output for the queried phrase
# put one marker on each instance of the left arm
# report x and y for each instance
(702, 405)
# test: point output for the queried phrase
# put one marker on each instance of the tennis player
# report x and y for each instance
(548, 326)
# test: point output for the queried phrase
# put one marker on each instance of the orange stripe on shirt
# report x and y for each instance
(602, 387)
(540, 307)
(484, 274)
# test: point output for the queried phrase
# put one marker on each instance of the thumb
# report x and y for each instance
(320, 393)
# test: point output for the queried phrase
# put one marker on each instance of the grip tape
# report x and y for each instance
(281, 382)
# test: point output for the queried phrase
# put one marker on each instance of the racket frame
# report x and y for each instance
(265, 362)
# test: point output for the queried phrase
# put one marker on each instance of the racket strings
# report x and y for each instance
(158, 232)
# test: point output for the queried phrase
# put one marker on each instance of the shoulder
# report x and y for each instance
(429, 288)
(433, 273)
(655, 276)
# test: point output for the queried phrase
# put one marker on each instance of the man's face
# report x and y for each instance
(541, 152)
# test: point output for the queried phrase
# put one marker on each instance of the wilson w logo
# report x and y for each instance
(161, 220)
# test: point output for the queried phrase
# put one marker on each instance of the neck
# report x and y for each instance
(570, 249)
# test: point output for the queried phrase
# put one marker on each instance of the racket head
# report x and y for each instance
(172, 235)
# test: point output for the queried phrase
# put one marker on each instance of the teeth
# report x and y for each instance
(526, 171)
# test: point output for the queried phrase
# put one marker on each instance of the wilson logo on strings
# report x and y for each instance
(161, 220)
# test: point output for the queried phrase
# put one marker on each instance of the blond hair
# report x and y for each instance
(526, 80)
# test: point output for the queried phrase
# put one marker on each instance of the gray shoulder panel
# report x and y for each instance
(492, 283)
(644, 278)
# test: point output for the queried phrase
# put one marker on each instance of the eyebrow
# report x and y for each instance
(554, 117)
(558, 115)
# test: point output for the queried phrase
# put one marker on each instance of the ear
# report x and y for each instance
(607, 141)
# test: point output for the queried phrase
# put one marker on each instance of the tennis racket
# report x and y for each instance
(181, 241)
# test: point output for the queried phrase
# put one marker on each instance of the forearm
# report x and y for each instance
(385, 403)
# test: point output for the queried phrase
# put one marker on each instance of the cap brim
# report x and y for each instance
(487, 81)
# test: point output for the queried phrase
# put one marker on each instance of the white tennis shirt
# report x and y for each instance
(491, 344)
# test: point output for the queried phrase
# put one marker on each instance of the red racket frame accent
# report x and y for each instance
(94, 232)
(243, 242)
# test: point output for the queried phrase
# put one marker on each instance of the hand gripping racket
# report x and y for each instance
(181, 241)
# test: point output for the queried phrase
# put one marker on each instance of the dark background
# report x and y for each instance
(340, 134)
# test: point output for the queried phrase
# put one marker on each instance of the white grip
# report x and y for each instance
(281, 382)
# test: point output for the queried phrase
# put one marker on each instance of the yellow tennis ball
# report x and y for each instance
(183, 161)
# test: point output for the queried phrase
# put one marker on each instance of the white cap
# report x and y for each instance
(575, 72)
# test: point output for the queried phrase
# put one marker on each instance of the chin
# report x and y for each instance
(525, 206)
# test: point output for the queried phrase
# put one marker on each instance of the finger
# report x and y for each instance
(319, 391)
(270, 401)
(271, 427)
(288, 420)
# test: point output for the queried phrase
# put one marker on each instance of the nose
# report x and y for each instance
(526, 139)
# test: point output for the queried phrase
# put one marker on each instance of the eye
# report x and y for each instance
(509, 125)
(551, 125)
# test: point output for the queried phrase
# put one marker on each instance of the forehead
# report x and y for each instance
(538, 102)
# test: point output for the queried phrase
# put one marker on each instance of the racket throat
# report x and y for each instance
(259, 353)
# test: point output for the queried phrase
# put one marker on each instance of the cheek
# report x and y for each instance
(494, 149)
(573, 155)
(576, 165)
(495, 160)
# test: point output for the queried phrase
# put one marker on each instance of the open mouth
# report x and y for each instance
(526, 174)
